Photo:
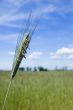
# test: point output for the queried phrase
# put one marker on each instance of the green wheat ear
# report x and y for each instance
(20, 52)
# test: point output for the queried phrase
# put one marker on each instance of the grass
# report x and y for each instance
(51, 90)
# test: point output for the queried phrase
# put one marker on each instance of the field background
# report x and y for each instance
(51, 90)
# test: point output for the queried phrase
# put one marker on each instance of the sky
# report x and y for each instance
(52, 43)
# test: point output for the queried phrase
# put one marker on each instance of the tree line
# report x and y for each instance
(40, 68)
(35, 69)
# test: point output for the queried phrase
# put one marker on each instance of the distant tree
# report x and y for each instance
(64, 68)
(28, 69)
(56, 68)
(61, 69)
(35, 69)
(42, 68)
(21, 69)
(45, 69)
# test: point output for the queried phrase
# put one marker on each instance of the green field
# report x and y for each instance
(51, 90)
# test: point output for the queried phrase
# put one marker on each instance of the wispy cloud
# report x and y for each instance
(45, 9)
(10, 12)
(8, 37)
(15, 3)
(8, 19)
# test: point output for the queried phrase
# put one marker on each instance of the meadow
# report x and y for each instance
(52, 90)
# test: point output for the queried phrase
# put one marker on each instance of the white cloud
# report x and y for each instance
(35, 55)
(63, 53)
(54, 56)
(11, 53)
(70, 57)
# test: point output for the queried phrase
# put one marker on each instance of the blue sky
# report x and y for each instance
(52, 43)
